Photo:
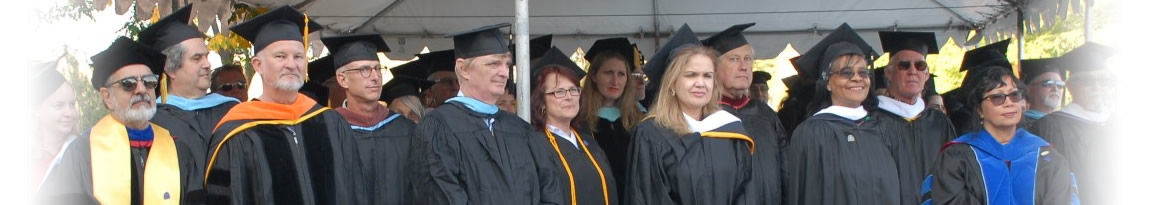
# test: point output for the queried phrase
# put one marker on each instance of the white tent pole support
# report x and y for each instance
(1086, 31)
(522, 61)
(655, 21)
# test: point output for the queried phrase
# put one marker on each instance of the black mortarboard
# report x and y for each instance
(1089, 56)
(539, 46)
(414, 69)
(438, 61)
(657, 65)
(280, 24)
(400, 86)
(321, 69)
(170, 30)
(921, 42)
(760, 77)
(620, 44)
(728, 39)
(481, 41)
(929, 89)
(1034, 67)
(121, 53)
(556, 57)
(816, 61)
(792, 81)
(49, 80)
(347, 49)
(879, 78)
(993, 54)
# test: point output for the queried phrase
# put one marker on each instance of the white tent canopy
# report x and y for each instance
(409, 25)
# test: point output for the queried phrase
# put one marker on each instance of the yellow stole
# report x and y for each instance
(731, 135)
(567, 167)
(112, 168)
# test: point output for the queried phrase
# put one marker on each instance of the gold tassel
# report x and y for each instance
(164, 88)
(636, 55)
(305, 45)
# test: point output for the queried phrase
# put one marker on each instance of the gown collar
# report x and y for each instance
(474, 105)
(610, 113)
(1034, 114)
(208, 101)
(570, 137)
(1076, 110)
(901, 109)
(845, 112)
(1022, 143)
(710, 122)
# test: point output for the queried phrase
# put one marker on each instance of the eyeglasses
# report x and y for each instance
(564, 93)
(129, 83)
(231, 86)
(848, 73)
(918, 65)
(1052, 83)
(640, 76)
(998, 99)
(367, 71)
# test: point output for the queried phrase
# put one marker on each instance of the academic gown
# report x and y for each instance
(267, 153)
(1027, 122)
(763, 125)
(835, 160)
(976, 169)
(192, 121)
(592, 177)
(383, 149)
(457, 159)
(917, 142)
(615, 141)
(1084, 143)
(71, 181)
(709, 167)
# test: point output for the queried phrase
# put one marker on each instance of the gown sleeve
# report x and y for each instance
(548, 170)
(1055, 183)
(70, 182)
(952, 177)
(435, 178)
(804, 169)
(647, 180)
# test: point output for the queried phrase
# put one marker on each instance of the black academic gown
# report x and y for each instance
(1027, 122)
(70, 182)
(976, 169)
(615, 141)
(194, 129)
(590, 178)
(763, 125)
(297, 161)
(668, 168)
(834, 160)
(917, 142)
(1084, 143)
(384, 154)
(456, 159)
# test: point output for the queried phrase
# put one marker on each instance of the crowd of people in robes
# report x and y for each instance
(688, 125)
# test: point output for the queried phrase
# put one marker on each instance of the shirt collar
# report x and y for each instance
(710, 122)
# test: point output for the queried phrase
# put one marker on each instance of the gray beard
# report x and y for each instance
(292, 85)
(1051, 101)
(129, 115)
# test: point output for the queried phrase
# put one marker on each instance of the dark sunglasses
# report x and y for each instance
(998, 99)
(1052, 83)
(231, 86)
(129, 83)
(918, 65)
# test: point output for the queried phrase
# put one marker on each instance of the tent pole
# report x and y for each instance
(1086, 31)
(522, 61)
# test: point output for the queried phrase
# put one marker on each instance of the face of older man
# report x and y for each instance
(130, 94)
(485, 76)
(907, 74)
(282, 65)
(194, 69)
(1044, 92)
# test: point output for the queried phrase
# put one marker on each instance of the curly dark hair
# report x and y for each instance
(978, 81)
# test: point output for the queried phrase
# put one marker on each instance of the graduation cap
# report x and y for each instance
(816, 61)
(481, 41)
(438, 61)
(170, 30)
(400, 86)
(728, 39)
(347, 49)
(124, 52)
(1032, 68)
(929, 89)
(993, 54)
(760, 77)
(538, 46)
(321, 69)
(281, 24)
(49, 80)
(657, 65)
(879, 78)
(921, 42)
(556, 57)
(1088, 57)
(792, 82)
(620, 45)
(413, 69)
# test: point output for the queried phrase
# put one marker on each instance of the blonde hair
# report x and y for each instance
(592, 100)
(666, 110)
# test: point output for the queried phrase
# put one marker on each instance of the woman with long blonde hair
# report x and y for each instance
(610, 107)
(688, 150)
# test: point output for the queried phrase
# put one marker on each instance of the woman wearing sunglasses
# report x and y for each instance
(998, 162)
(610, 107)
(840, 155)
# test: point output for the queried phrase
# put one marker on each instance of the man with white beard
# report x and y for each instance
(283, 147)
(123, 159)
(1044, 87)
